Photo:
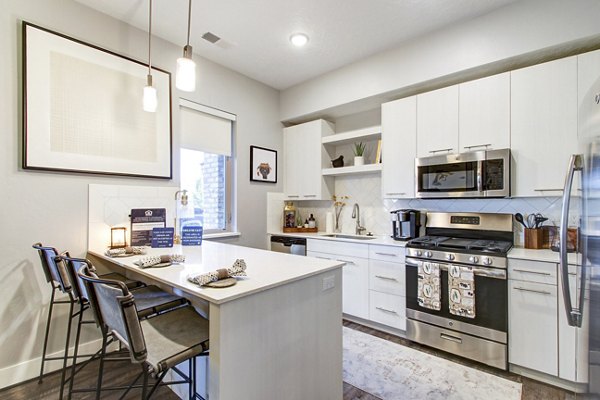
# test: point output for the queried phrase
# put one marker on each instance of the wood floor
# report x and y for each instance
(123, 372)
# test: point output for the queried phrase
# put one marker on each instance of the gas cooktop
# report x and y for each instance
(461, 244)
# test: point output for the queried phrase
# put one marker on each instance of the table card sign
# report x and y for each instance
(143, 220)
(191, 235)
(162, 237)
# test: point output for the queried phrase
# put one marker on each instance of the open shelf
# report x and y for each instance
(370, 133)
(353, 170)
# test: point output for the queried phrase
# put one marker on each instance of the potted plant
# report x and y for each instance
(359, 151)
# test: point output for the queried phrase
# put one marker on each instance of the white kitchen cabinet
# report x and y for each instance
(543, 126)
(387, 309)
(399, 147)
(437, 122)
(533, 326)
(484, 113)
(588, 88)
(304, 160)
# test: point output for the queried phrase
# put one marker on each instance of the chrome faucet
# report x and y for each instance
(356, 214)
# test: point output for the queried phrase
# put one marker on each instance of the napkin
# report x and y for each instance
(237, 269)
(130, 250)
(150, 261)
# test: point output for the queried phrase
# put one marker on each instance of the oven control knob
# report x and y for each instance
(418, 253)
(428, 254)
(486, 261)
(450, 257)
(474, 259)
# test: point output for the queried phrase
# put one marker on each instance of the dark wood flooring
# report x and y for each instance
(123, 372)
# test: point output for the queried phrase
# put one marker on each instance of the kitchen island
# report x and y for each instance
(276, 334)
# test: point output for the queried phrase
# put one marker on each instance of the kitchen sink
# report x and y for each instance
(342, 236)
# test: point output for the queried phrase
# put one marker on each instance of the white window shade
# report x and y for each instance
(204, 132)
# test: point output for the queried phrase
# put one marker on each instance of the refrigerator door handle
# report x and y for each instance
(574, 314)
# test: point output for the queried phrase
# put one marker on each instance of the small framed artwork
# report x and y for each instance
(263, 164)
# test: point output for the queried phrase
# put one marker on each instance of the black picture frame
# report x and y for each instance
(83, 155)
(263, 164)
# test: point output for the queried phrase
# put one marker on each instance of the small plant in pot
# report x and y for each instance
(359, 151)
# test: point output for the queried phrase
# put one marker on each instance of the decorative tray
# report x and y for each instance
(290, 230)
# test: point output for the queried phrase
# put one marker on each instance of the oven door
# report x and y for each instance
(451, 175)
(491, 302)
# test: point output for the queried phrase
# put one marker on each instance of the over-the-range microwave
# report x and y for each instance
(474, 174)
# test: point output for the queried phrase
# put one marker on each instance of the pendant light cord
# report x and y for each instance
(150, 40)
(189, 20)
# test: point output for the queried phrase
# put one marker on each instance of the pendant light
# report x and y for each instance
(149, 101)
(186, 67)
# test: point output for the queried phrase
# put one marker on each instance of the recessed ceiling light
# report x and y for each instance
(299, 39)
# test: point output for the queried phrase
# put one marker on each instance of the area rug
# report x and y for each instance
(391, 371)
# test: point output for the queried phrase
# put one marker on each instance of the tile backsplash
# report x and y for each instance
(374, 211)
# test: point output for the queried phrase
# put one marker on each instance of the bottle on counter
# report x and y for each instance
(306, 223)
(289, 215)
(311, 222)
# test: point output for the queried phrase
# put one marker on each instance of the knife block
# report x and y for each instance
(534, 238)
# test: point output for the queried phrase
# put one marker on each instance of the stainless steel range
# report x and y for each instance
(456, 285)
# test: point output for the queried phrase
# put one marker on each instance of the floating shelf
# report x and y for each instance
(370, 133)
(353, 170)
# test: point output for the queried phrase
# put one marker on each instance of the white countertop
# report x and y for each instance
(265, 269)
(377, 239)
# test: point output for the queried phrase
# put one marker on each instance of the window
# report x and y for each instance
(205, 161)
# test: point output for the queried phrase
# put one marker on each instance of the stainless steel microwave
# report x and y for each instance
(473, 174)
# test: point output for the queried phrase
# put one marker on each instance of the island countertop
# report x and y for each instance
(265, 269)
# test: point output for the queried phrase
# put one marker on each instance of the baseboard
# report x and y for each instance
(549, 379)
(375, 325)
(30, 369)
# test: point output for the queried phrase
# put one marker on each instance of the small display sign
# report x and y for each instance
(143, 220)
(191, 235)
(162, 237)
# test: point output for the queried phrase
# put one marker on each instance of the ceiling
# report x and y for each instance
(255, 33)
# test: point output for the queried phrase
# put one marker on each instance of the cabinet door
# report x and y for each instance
(387, 277)
(388, 309)
(291, 157)
(588, 87)
(543, 126)
(437, 122)
(533, 326)
(572, 342)
(484, 113)
(399, 147)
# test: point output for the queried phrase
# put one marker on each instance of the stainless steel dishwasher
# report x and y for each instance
(288, 244)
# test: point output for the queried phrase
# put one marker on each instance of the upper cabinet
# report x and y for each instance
(484, 113)
(303, 161)
(588, 88)
(543, 126)
(437, 122)
(399, 146)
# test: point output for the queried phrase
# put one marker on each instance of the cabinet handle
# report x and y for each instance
(451, 338)
(548, 190)
(324, 258)
(532, 272)
(309, 195)
(477, 145)
(387, 254)
(532, 290)
(396, 194)
(387, 278)
(345, 261)
(293, 195)
(440, 150)
(386, 310)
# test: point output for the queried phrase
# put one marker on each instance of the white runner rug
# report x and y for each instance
(395, 372)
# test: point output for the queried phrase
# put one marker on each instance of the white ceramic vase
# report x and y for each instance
(359, 160)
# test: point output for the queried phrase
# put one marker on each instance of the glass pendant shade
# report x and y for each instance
(186, 74)
(150, 100)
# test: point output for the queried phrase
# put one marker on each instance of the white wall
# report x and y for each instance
(517, 29)
(52, 208)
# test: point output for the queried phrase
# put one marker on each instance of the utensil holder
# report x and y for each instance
(534, 238)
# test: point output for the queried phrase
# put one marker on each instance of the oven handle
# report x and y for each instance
(480, 176)
(479, 271)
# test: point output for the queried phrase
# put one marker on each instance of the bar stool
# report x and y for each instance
(57, 274)
(158, 343)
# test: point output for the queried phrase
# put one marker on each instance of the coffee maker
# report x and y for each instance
(406, 224)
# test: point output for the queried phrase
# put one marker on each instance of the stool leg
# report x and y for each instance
(191, 384)
(66, 357)
(101, 368)
(46, 336)
(74, 364)
(145, 384)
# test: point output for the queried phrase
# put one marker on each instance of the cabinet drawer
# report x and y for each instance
(386, 253)
(387, 309)
(387, 277)
(332, 247)
(532, 271)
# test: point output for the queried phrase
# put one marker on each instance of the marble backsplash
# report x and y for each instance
(374, 211)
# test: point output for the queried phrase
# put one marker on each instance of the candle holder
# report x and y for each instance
(118, 237)
(180, 196)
